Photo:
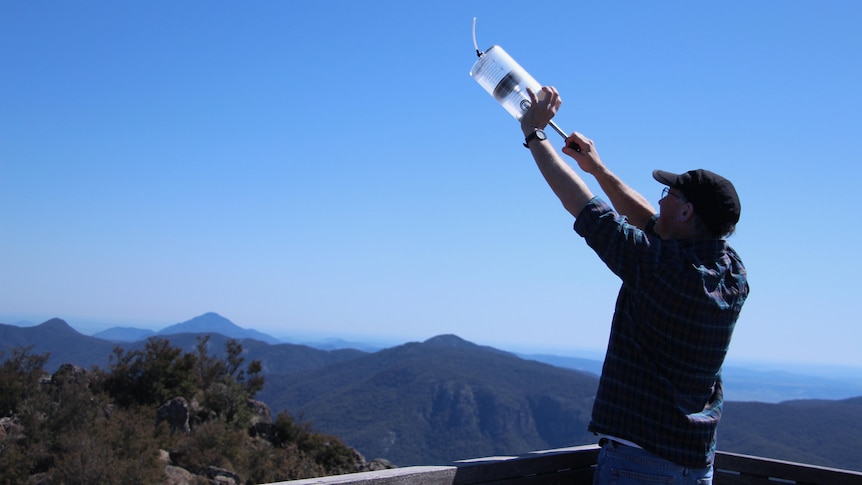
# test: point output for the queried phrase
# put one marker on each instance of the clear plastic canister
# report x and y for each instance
(505, 80)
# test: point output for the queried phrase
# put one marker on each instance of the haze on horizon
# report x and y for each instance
(321, 337)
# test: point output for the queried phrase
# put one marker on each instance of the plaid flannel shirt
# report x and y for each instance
(661, 381)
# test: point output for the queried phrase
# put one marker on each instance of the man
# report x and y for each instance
(660, 394)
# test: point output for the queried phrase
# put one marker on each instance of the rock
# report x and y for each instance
(164, 456)
(379, 464)
(43, 478)
(9, 429)
(260, 411)
(70, 374)
(200, 414)
(175, 475)
(374, 465)
(222, 476)
(267, 431)
(176, 413)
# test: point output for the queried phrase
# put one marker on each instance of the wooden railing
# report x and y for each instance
(575, 466)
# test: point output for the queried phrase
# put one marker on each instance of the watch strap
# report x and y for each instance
(534, 135)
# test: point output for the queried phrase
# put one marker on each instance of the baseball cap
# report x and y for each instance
(713, 197)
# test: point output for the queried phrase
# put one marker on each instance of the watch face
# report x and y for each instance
(537, 134)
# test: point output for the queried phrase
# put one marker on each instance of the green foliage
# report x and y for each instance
(19, 378)
(150, 376)
(268, 464)
(100, 427)
(64, 431)
(328, 452)
(16, 463)
(223, 386)
(211, 444)
(117, 450)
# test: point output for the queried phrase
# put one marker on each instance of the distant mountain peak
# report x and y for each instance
(448, 340)
(58, 325)
(208, 322)
(124, 334)
(451, 341)
(212, 322)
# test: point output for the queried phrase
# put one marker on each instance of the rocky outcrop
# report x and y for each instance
(71, 384)
(266, 431)
(69, 374)
(221, 476)
(9, 429)
(260, 412)
(175, 475)
(175, 413)
(370, 466)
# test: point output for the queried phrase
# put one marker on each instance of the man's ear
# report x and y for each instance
(686, 213)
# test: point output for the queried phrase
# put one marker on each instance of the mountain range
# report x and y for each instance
(66, 345)
(742, 382)
(207, 323)
(445, 399)
(214, 323)
(440, 400)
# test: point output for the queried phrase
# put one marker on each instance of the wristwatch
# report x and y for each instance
(538, 134)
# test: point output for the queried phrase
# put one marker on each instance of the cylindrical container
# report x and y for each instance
(505, 80)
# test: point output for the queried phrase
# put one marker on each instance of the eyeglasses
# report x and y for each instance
(666, 191)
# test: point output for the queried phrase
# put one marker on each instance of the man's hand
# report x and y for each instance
(587, 157)
(624, 199)
(543, 107)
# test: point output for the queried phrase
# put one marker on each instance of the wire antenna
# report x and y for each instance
(475, 44)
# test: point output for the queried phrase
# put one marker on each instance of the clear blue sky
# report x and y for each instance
(331, 168)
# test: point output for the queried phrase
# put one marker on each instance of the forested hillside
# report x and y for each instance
(440, 401)
(819, 432)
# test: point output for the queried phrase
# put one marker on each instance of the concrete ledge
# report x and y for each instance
(564, 465)
(576, 465)
(414, 475)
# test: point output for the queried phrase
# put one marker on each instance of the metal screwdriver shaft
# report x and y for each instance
(558, 130)
(563, 134)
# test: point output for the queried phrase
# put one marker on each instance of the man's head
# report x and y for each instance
(712, 197)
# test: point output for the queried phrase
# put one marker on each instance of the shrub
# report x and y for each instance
(100, 427)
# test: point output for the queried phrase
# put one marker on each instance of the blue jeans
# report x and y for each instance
(624, 465)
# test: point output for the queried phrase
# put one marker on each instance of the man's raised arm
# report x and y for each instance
(563, 180)
(624, 199)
